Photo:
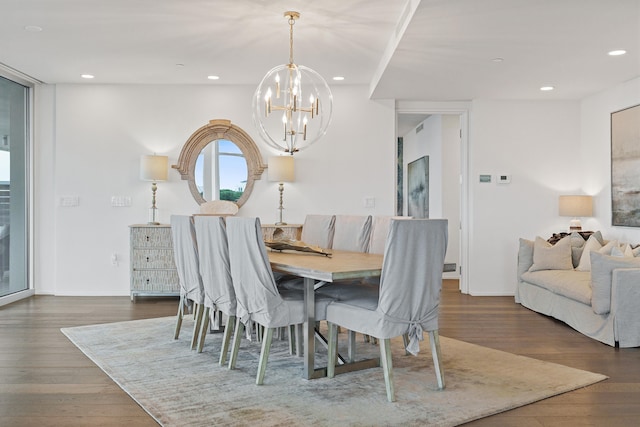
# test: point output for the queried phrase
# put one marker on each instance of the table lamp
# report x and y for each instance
(576, 206)
(281, 169)
(153, 168)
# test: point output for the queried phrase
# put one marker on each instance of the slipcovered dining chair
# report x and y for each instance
(258, 298)
(318, 230)
(219, 295)
(185, 254)
(351, 233)
(409, 298)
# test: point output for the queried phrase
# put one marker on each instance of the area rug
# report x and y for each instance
(180, 387)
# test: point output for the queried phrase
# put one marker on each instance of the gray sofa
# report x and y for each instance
(601, 301)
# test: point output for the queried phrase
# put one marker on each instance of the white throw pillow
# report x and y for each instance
(552, 257)
(585, 261)
(636, 251)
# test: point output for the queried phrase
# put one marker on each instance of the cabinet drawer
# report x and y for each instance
(155, 281)
(147, 237)
(153, 258)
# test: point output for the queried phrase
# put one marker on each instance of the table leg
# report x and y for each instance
(309, 329)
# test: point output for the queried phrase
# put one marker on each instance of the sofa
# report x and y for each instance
(592, 285)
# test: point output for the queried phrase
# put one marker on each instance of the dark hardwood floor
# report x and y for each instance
(46, 381)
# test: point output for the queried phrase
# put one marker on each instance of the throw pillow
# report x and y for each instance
(602, 267)
(577, 245)
(552, 257)
(636, 251)
(592, 245)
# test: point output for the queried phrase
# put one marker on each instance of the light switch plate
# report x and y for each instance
(120, 201)
(69, 201)
(504, 179)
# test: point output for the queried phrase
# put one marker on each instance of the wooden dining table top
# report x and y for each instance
(340, 265)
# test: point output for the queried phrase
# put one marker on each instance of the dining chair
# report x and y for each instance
(219, 295)
(351, 233)
(318, 230)
(258, 298)
(409, 298)
(185, 254)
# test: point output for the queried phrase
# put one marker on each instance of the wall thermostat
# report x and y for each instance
(504, 179)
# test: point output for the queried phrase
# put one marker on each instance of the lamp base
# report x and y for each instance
(575, 225)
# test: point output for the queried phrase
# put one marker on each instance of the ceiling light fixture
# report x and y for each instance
(617, 52)
(213, 77)
(338, 78)
(546, 88)
(87, 76)
(303, 97)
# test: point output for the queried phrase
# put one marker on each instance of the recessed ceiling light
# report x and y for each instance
(498, 59)
(338, 78)
(617, 52)
(546, 88)
(33, 28)
(213, 77)
(87, 76)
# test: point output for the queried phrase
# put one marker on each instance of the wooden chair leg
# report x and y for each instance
(434, 340)
(264, 354)
(299, 340)
(179, 318)
(225, 340)
(204, 327)
(332, 351)
(237, 336)
(197, 319)
(405, 341)
(387, 367)
(292, 339)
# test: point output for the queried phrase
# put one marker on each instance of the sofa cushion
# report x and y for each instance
(602, 267)
(575, 285)
(552, 257)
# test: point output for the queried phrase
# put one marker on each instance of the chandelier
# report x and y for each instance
(292, 105)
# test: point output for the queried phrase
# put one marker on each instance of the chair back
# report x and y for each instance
(411, 278)
(185, 254)
(380, 231)
(219, 207)
(213, 251)
(257, 296)
(352, 233)
(318, 230)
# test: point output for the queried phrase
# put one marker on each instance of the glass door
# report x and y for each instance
(13, 186)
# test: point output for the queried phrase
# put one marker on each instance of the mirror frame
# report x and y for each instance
(214, 130)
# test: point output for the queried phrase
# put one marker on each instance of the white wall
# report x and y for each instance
(538, 143)
(596, 155)
(100, 132)
(89, 139)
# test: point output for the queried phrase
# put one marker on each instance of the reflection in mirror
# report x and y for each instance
(221, 171)
(237, 161)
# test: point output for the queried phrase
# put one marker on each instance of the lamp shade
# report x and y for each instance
(281, 169)
(154, 168)
(576, 206)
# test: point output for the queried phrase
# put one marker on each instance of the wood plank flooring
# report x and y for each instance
(46, 381)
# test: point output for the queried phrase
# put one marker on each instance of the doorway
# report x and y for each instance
(438, 137)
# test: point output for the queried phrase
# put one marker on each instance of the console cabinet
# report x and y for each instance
(153, 270)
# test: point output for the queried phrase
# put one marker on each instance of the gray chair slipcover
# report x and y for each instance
(219, 295)
(409, 298)
(318, 230)
(185, 254)
(351, 233)
(258, 298)
(380, 231)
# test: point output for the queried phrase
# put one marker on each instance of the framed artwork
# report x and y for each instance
(418, 188)
(625, 167)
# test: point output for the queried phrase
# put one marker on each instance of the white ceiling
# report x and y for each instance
(445, 53)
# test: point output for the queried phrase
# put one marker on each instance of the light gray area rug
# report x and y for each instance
(179, 387)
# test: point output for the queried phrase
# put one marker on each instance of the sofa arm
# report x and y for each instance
(625, 306)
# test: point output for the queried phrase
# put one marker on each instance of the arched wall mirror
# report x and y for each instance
(221, 162)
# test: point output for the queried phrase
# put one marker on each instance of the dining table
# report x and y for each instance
(317, 270)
